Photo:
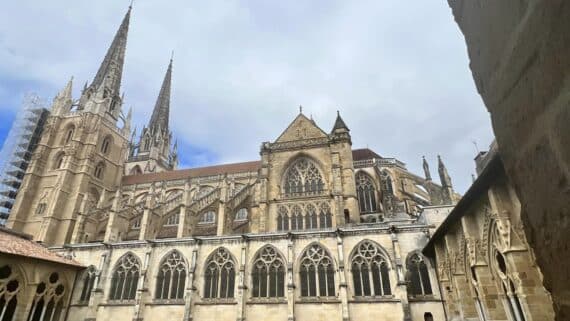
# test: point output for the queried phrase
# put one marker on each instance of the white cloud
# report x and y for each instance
(397, 70)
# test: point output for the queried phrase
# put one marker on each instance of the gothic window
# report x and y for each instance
(241, 214)
(208, 218)
(366, 193)
(296, 218)
(41, 208)
(172, 220)
(282, 218)
(303, 178)
(9, 288)
(171, 277)
(370, 271)
(99, 170)
(58, 161)
(106, 145)
(69, 134)
(268, 274)
(419, 281)
(136, 224)
(125, 278)
(219, 276)
(316, 273)
(387, 183)
(88, 283)
(325, 215)
(311, 217)
(48, 300)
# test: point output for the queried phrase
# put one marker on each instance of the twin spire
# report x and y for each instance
(161, 112)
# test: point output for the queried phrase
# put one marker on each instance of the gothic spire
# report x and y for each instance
(426, 168)
(111, 68)
(339, 123)
(161, 112)
(443, 175)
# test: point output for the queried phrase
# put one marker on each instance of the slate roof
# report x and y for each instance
(15, 243)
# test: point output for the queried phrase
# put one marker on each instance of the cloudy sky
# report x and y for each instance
(396, 70)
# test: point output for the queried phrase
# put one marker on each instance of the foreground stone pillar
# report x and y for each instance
(520, 59)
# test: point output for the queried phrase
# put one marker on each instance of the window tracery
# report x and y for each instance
(171, 277)
(48, 300)
(316, 273)
(419, 281)
(88, 283)
(219, 275)
(366, 193)
(9, 288)
(303, 178)
(303, 215)
(208, 218)
(370, 271)
(241, 214)
(125, 278)
(268, 274)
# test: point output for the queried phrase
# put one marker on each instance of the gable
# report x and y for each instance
(301, 128)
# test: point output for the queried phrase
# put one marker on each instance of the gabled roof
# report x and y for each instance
(364, 153)
(301, 122)
(14, 243)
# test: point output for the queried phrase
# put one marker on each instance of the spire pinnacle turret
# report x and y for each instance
(339, 124)
(161, 113)
(443, 175)
(426, 168)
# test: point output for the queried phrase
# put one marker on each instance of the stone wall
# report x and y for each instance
(520, 59)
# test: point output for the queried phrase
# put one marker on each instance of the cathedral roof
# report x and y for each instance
(15, 243)
(253, 166)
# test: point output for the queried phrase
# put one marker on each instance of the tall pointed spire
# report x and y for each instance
(111, 70)
(161, 112)
(443, 175)
(426, 168)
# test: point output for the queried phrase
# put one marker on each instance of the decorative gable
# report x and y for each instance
(301, 128)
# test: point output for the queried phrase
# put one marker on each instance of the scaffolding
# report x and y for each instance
(18, 148)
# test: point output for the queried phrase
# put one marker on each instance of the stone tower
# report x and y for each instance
(80, 156)
(153, 153)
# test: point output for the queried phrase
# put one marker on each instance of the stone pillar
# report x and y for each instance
(97, 294)
(79, 229)
(221, 219)
(190, 289)
(183, 209)
(242, 287)
(290, 280)
(111, 233)
(142, 289)
(401, 290)
(146, 218)
(343, 288)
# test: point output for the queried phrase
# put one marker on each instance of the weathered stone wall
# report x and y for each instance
(520, 59)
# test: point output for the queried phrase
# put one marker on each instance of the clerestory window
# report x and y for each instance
(303, 178)
(366, 193)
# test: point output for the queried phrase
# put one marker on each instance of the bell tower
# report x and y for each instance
(80, 156)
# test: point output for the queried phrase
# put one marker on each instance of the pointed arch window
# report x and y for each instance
(303, 178)
(9, 288)
(366, 193)
(241, 214)
(69, 134)
(311, 217)
(48, 300)
(219, 277)
(171, 278)
(88, 283)
(125, 278)
(58, 160)
(99, 170)
(316, 273)
(419, 282)
(106, 145)
(282, 218)
(296, 218)
(325, 215)
(370, 271)
(268, 274)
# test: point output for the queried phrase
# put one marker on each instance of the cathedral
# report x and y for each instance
(311, 230)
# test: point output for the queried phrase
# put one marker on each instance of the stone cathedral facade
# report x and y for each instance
(312, 230)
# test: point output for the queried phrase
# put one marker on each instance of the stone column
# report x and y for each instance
(242, 285)
(145, 220)
(182, 213)
(401, 290)
(79, 229)
(290, 280)
(97, 293)
(111, 233)
(343, 288)
(142, 289)
(190, 288)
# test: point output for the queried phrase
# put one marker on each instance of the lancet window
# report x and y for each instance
(106, 145)
(99, 170)
(316, 273)
(48, 300)
(58, 161)
(9, 288)
(125, 278)
(88, 283)
(419, 282)
(370, 271)
(219, 276)
(301, 216)
(268, 274)
(366, 193)
(69, 134)
(303, 178)
(171, 277)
